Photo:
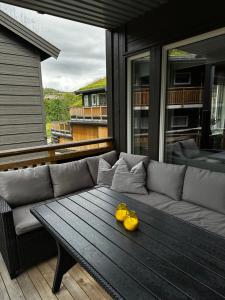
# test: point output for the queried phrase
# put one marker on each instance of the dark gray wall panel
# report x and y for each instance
(20, 129)
(19, 100)
(22, 118)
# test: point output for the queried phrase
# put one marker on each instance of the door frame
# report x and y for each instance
(165, 50)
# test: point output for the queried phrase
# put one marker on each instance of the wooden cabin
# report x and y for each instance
(22, 117)
(86, 122)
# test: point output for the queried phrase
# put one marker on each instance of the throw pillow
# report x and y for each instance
(127, 180)
(106, 173)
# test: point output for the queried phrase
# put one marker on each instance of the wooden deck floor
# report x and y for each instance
(35, 284)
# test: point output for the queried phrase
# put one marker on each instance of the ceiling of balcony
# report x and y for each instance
(107, 14)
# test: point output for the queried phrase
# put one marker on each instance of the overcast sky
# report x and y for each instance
(82, 57)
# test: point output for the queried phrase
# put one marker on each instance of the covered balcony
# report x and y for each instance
(140, 213)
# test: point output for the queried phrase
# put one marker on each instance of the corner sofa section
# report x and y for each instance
(24, 242)
(191, 194)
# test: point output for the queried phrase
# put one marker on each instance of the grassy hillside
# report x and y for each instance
(95, 85)
(57, 104)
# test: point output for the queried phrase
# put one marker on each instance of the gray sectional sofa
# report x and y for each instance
(191, 194)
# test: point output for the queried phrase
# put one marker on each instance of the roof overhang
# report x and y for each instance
(90, 91)
(46, 49)
(107, 14)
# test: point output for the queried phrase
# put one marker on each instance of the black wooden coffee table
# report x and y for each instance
(165, 259)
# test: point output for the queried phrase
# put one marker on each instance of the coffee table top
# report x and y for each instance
(166, 258)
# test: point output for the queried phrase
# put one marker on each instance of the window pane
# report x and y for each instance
(195, 104)
(140, 105)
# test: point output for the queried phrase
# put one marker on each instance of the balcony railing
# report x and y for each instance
(89, 112)
(175, 96)
(63, 127)
(141, 96)
(55, 153)
(184, 96)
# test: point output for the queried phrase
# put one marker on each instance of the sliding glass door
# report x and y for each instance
(138, 104)
(194, 103)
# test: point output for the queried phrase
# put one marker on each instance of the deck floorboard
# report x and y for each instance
(36, 284)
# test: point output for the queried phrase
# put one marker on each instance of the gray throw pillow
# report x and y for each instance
(106, 173)
(93, 162)
(166, 179)
(133, 159)
(26, 186)
(70, 177)
(127, 180)
(190, 148)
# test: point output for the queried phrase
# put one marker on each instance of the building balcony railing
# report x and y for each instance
(54, 153)
(62, 127)
(89, 112)
(184, 96)
(175, 96)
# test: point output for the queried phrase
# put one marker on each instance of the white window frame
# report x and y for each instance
(129, 94)
(165, 49)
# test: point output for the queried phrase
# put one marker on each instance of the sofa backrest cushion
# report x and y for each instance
(205, 188)
(166, 179)
(190, 148)
(93, 163)
(134, 159)
(26, 186)
(70, 177)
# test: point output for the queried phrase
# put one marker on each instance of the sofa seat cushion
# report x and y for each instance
(166, 179)
(26, 186)
(156, 200)
(93, 163)
(205, 188)
(70, 177)
(196, 215)
(24, 221)
(199, 216)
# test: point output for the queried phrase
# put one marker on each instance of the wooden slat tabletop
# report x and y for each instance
(166, 258)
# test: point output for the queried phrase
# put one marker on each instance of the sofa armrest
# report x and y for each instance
(8, 245)
(4, 206)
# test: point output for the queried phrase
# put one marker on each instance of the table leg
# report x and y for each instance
(64, 263)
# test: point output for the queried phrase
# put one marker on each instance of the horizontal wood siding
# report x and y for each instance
(20, 138)
(20, 110)
(21, 100)
(20, 129)
(19, 80)
(17, 70)
(20, 145)
(20, 119)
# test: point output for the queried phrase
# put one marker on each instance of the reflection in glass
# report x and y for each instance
(195, 105)
(140, 105)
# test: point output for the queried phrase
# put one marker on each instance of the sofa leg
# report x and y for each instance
(64, 263)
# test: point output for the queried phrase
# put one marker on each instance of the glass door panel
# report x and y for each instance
(195, 104)
(139, 104)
